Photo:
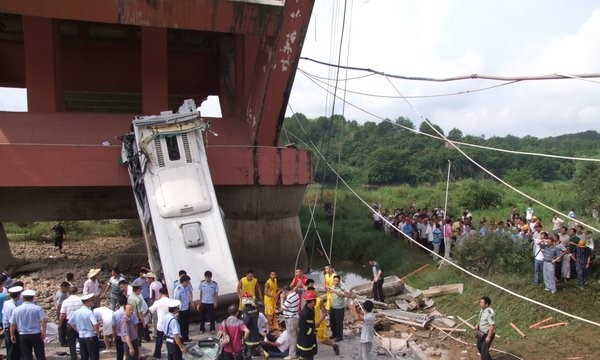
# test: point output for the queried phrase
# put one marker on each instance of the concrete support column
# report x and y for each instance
(5, 253)
(41, 38)
(263, 227)
(155, 72)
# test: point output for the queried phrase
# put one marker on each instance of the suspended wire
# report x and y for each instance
(344, 79)
(580, 78)
(459, 142)
(500, 287)
(423, 118)
(461, 77)
(463, 92)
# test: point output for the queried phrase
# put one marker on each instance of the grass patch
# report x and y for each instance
(76, 230)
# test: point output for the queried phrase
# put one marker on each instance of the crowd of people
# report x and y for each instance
(561, 249)
(269, 321)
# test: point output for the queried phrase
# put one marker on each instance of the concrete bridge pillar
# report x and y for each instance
(5, 254)
(263, 227)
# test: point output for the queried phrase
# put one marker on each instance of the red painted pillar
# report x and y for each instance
(155, 76)
(41, 38)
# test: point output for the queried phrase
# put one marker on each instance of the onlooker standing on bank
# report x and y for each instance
(60, 234)
(377, 280)
(486, 328)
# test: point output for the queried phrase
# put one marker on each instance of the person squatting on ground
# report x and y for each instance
(368, 329)
(29, 321)
(86, 325)
(175, 348)
(486, 328)
(277, 347)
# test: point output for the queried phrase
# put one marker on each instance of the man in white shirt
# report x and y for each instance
(67, 309)
(277, 347)
(92, 286)
(160, 308)
(104, 316)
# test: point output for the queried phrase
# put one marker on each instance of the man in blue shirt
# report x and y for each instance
(175, 348)
(85, 323)
(209, 294)
(183, 293)
(116, 330)
(13, 350)
(29, 320)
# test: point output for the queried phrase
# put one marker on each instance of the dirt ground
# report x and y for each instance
(129, 253)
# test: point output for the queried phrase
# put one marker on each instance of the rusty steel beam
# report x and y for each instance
(204, 15)
(274, 74)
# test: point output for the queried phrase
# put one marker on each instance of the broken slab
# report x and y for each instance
(393, 344)
(402, 305)
(406, 317)
(443, 290)
(417, 353)
(443, 322)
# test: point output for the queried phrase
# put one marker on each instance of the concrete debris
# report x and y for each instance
(417, 353)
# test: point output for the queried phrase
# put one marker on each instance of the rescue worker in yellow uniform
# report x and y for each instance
(320, 324)
(329, 274)
(249, 284)
(271, 296)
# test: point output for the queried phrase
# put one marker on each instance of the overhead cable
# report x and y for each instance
(461, 77)
(459, 142)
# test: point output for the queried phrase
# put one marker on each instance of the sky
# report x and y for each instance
(439, 39)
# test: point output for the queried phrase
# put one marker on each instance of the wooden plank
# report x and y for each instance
(443, 290)
(541, 322)
(554, 325)
(517, 329)
(466, 322)
(414, 272)
(451, 329)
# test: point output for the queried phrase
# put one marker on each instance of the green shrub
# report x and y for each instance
(479, 194)
(494, 253)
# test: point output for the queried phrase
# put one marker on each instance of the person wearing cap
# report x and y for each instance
(13, 350)
(183, 293)
(85, 323)
(3, 298)
(170, 324)
(29, 321)
(92, 286)
(129, 334)
(116, 328)
(306, 345)
(209, 297)
(250, 318)
(583, 259)
(135, 300)
(159, 309)
(154, 287)
(68, 308)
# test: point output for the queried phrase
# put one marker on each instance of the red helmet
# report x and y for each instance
(310, 295)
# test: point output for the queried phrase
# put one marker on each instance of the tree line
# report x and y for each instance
(387, 152)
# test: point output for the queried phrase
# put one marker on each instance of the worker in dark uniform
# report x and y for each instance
(306, 347)
(250, 319)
